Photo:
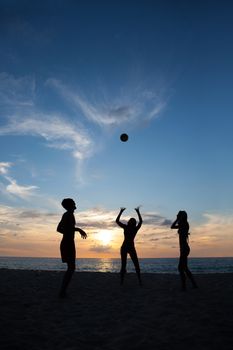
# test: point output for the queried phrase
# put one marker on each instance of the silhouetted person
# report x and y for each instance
(130, 231)
(181, 223)
(67, 247)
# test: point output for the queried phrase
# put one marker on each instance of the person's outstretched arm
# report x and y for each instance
(139, 217)
(118, 218)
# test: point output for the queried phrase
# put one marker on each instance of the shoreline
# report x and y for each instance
(101, 314)
(112, 273)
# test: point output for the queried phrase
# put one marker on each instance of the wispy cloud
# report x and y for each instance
(101, 248)
(135, 107)
(58, 132)
(62, 132)
(24, 117)
(22, 228)
(138, 106)
(215, 227)
(13, 188)
(16, 92)
(21, 216)
(97, 218)
(28, 232)
(4, 167)
(23, 192)
(156, 219)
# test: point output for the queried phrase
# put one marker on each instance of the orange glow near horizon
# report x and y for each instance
(43, 249)
(37, 237)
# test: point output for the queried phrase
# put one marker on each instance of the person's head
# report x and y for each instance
(132, 222)
(68, 204)
(182, 215)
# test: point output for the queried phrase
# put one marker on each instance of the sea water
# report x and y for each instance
(155, 265)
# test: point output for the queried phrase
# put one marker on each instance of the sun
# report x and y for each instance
(105, 236)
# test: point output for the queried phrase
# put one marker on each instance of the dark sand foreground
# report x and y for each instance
(100, 314)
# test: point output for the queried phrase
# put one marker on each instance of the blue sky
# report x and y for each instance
(74, 75)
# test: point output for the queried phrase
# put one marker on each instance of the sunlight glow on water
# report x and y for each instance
(197, 265)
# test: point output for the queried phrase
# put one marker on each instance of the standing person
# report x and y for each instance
(67, 247)
(181, 223)
(130, 231)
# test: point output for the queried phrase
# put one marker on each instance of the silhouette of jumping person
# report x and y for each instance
(130, 231)
(67, 247)
(181, 223)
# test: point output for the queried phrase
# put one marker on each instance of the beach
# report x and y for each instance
(100, 314)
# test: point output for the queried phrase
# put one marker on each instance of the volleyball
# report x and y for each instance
(124, 137)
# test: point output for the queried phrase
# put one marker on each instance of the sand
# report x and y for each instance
(100, 314)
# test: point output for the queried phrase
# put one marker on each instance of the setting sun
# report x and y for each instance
(105, 236)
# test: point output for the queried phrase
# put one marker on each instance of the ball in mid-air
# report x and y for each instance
(124, 137)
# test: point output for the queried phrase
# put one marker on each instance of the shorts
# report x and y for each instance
(68, 252)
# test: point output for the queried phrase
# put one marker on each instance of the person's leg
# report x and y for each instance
(123, 263)
(181, 268)
(187, 271)
(190, 276)
(134, 257)
(67, 277)
(68, 254)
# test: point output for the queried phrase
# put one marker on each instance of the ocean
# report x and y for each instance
(156, 265)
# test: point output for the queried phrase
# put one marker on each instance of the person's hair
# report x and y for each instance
(132, 222)
(182, 215)
(67, 203)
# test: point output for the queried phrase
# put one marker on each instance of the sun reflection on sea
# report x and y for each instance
(99, 265)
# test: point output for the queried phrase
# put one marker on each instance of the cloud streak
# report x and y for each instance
(16, 92)
(63, 132)
(23, 192)
(4, 167)
(59, 133)
(138, 106)
(22, 228)
(13, 188)
(24, 117)
(101, 248)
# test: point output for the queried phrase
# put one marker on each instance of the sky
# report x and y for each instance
(74, 75)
